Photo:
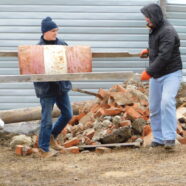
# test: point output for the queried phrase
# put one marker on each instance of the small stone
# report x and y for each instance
(106, 123)
(116, 120)
(20, 140)
(138, 125)
(108, 118)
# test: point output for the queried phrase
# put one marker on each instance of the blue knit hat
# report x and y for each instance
(47, 24)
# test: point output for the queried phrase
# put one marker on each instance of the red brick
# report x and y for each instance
(179, 130)
(95, 108)
(147, 140)
(125, 123)
(87, 141)
(73, 142)
(76, 119)
(88, 117)
(103, 149)
(19, 150)
(23, 150)
(132, 113)
(100, 112)
(90, 133)
(88, 125)
(26, 150)
(103, 93)
(182, 141)
(146, 130)
(64, 131)
(74, 150)
(113, 111)
(35, 139)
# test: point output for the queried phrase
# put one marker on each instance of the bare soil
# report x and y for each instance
(144, 166)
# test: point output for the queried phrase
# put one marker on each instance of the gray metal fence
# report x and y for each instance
(105, 25)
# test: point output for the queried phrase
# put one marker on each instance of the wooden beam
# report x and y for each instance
(94, 54)
(70, 76)
(8, 53)
(113, 54)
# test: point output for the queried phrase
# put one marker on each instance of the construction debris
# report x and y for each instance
(118, 117)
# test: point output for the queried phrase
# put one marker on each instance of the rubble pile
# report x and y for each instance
(118, 115)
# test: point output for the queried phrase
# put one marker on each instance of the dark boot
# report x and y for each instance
(156, 144)
(170, 144)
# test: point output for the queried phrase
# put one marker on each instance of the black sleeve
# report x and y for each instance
(166, 45)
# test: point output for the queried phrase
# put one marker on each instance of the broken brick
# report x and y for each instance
(88, 117)
(179, 130)
(132, 113)
(182, 140)
(89, 133)
(103, 149)
(125, 123)
(146, 130)
(19, 150)
(72, 142)
(147, 140)
(76, 119)
(74, 150)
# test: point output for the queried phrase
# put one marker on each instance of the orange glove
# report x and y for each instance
(144, 53)
(145, 76)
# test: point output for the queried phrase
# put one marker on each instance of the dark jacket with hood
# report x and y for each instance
(50, 89)
(164, 43)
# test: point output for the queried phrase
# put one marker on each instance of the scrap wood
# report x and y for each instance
(113, 145)
(87, 92)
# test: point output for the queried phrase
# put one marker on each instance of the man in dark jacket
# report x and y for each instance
(51, 93)
(165, 75)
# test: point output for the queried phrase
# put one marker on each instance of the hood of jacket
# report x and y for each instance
(154, 13)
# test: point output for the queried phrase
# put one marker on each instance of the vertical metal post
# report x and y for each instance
(163, 4)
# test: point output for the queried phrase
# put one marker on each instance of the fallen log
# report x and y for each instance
(34, 113)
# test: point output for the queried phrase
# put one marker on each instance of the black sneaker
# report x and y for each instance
(156, 144)
(170, 144)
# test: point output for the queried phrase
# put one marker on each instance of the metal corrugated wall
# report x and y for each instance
(176, 14)
(105, 25)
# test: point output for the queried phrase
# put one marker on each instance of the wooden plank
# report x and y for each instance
(70, 76)
(113, 145)
(94, 54)
(7, 53)
(113, 54)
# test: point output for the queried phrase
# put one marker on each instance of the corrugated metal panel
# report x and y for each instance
(105, 25)
(177, 16)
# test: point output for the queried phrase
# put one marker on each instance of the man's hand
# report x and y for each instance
(145, 76)
(144, 53)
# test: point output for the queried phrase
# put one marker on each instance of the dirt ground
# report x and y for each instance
(144, 166)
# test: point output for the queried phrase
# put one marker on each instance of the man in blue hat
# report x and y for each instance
(51, 93)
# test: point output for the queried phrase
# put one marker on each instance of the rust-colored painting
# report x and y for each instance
(54, 59)
(79, 58)
(31, 59)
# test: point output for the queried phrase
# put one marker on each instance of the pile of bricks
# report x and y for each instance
(118, 115)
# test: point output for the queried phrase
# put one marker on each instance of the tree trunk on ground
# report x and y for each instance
(34, 113)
